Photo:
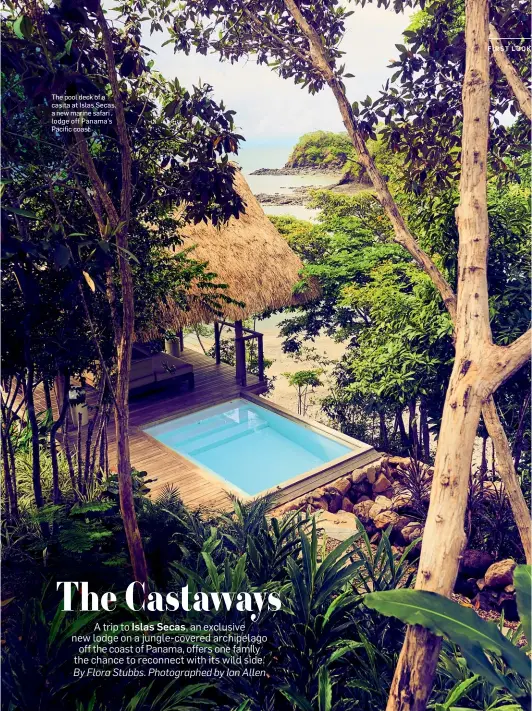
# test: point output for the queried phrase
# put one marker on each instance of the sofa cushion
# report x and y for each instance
(141, 369)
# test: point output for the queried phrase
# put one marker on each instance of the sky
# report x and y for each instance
(272, 112)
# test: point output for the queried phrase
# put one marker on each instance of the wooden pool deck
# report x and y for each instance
(213, 384)
(197, 487)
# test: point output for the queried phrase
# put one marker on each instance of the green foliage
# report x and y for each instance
(382, 569)
(304, 381)
(376, 300)
(52, 237)
(324, 648)
(321, 149)
(523, 588)
(41, 650)
(477, 638)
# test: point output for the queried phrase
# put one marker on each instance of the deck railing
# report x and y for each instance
(241, 336)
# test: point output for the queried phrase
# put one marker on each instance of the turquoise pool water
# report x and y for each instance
(249, 446)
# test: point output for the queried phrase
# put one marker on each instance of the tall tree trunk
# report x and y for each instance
(56, 491)
(125, 481)
(47, 395)
(8, 455)
(484, 458)
(444, 536)
(412, 428)
(34, 427)
(517, 449)
(123, 327)
(405, 441)
(384, 443)
(68, 455)
(79, 454)
(8, 480)
(125, 342)
(317, 57)
(506, 470)
(424, 429)
(517, 85)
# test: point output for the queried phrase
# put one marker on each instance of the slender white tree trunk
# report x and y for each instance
(444, 536)
(318, 58)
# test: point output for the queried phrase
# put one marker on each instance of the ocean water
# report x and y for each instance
(247, 445)
(252, 158)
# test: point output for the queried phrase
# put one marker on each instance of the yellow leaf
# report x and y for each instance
(89, 280)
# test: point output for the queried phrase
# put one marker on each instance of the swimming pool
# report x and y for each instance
(250, 446)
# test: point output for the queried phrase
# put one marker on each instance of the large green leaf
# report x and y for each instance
(324, 690)
(20, 211)
(457, 693)
(460, 624)
(23, 27)
(523, 588)
(297, 700)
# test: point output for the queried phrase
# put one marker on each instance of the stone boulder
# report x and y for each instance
(475, 563)
(508, 605)
(401, 500)
(342, 485)
(500, 574)
(362, 509)
(381, 484)
(382, 503)
(317, 493)
(372, 471)
(321, 503)
(339, 526)
(390, 518)
(361, 489)
(467, 587)
(347, 505)
(412, 531)
(358, 476)
(335, 503)
(403, 462)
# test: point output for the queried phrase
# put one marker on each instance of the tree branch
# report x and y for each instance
(262, 27)
(507, 360)
(506, 469)
(515, 82)
(95, 179)
(402, 233)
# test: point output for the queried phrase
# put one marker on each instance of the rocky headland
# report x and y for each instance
(300, 170)
(301, 195)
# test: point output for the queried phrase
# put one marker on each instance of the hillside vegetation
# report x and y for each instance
(325, 150)
(321, 149)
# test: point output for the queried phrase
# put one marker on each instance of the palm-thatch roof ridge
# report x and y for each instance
(249, 256)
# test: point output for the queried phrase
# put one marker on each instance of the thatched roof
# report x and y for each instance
(248, 255)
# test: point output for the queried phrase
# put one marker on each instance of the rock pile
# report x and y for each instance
(376, 494)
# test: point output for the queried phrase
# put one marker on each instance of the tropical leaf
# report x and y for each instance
(462, 625)
(324, 690)
(523, 588)
(295, 698)
(458, 692)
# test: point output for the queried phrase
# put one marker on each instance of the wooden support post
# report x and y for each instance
(181, 339)
(260, 356)
(240, 354)
(217, 342)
